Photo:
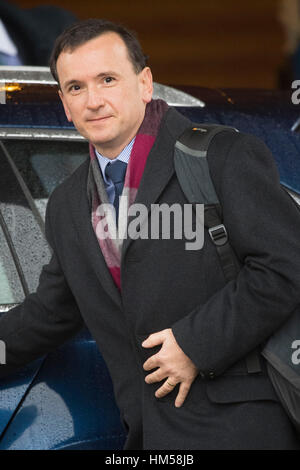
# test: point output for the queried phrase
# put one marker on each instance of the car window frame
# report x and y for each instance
(51, 135)
(16, 263)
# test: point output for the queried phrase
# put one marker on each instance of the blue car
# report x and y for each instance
(65, 400)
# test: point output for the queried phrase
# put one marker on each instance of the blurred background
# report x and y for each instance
(215, 43)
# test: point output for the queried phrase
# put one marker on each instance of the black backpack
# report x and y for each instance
(194, 178)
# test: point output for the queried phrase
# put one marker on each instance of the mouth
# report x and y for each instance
(99, 119)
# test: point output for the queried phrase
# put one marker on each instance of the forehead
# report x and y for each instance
(107, 50)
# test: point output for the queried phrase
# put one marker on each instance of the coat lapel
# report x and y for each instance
(88, 239)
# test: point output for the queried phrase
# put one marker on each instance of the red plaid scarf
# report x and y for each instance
(110, 245)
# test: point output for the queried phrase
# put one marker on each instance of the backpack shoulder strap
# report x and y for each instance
(190, 161)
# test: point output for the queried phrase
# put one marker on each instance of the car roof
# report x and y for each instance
(31, 109)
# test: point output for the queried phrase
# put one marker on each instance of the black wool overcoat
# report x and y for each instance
(166, 286)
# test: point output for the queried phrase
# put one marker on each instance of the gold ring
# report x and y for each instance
(171, 385)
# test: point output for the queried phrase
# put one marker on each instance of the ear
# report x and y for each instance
(63, 100)
(146, 82)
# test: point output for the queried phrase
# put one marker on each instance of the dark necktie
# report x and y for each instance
(116, 172)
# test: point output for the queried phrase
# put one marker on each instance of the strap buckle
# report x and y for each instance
(218, 234)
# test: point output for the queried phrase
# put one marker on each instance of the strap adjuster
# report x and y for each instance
(218, 234)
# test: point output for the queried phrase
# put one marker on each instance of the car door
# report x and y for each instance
(64, 400)
(15, 282)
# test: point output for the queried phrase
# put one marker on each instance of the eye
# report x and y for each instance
(74, 88)
(108, 80)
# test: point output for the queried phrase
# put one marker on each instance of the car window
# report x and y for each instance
(45, 164)
(22, 222)
(11, 290)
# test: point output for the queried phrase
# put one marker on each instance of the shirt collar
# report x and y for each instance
(124, 156)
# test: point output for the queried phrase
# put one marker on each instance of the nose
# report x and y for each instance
(95, 98)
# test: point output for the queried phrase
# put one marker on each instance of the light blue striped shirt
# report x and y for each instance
(124, 156)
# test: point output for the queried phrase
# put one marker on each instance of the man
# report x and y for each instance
(174, 336)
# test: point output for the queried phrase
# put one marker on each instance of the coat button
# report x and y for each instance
(211, 375)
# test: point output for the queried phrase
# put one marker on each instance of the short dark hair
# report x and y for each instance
(81, 32)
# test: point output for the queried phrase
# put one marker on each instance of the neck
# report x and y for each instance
(112, 153)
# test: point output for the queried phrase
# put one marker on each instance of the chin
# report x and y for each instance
(101, 140)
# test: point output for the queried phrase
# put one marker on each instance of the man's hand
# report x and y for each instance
(172, 363)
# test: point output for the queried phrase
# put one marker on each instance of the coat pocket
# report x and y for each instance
(238, 389)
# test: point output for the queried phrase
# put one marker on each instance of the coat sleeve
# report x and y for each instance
(263, 224)
(44, 320)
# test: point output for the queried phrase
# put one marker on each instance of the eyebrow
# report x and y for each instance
(100, 75)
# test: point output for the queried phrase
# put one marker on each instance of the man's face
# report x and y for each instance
(101, 93)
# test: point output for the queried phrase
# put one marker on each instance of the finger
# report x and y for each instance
(156, 376)
(166, 388)
(151, 362)
(184, 389)
(154, 339)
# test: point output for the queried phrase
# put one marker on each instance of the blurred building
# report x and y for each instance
(289, 16)
(215, 43)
